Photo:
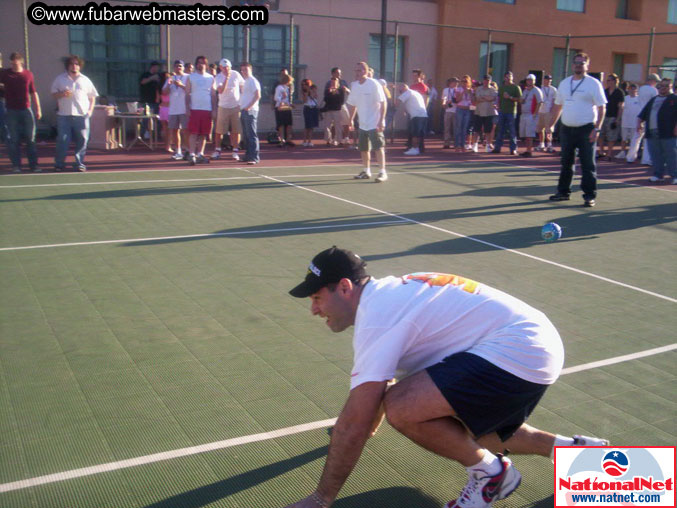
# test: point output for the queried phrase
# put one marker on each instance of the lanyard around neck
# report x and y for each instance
(573, 90)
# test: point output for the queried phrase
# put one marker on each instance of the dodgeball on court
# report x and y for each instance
(154, 317)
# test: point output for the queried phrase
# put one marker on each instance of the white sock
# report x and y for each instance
(367, 170)
(178, 152)
(235, 150)
(561, 441)
(489, 464)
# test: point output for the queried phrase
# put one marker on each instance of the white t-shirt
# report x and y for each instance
(413, 104)
(405, 324)
(632, 108)
(230, 97)
(281, 97)
(549, 94)
(201, 86)
(531, 100)
(78, 103)
(177, 96)
(447, 95)
(367, 98)
(579, 100)
(251, 85)
(646, 93)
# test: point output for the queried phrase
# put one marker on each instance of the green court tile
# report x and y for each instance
(646, 435)
(288, 410)
(644, 405)
(668, 425)
(170, 483)
(187, 398)
(599, 383)
(166, 376)
(136, 439)
(59, 453)
(105, 490)
(89, 362)
(13, 463)
(665, 361)
(209, 425)
(255, 385)
(111, 384)
(666, 389)
(208, 347)
(41, 419)
(19, 499)
(141, 408)
(562, 394)
(598, 416)
(234, 364)
(158, 353)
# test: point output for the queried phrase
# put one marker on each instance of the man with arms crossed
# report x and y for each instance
(228, 89)
(473, 362)
(201, 102)
(581, 102)
(249, 113)
(368, 100)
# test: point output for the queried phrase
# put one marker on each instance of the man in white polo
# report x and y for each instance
(368, 101)
(201, 102)
(178, 119)
(415, 106)
(228, 89)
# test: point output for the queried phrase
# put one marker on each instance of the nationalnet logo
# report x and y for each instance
(608, 476)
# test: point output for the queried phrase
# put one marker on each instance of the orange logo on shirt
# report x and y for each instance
(444, 279)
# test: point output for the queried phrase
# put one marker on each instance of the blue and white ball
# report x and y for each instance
(551, 232)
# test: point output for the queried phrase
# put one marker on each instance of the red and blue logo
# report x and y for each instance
(615, 463)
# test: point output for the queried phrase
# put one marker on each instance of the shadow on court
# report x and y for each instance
(393, 497)
(208, 494)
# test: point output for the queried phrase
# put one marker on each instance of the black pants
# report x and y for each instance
(572, 138)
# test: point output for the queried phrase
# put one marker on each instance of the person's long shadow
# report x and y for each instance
(207, 494)
(393, 497)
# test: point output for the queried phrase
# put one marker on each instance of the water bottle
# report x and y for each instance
(146, 110)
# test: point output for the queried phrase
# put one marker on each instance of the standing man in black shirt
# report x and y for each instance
(614, 111)
(150, 84)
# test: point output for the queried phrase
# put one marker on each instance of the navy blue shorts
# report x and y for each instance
(486, 398)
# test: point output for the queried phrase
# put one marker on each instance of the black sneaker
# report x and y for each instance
(191, 160)
(526, 154)
(186, 156)
(589, 202)
(559, 197)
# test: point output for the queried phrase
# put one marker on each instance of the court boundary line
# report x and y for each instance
(471, 238)
(263, 436)
(202, 235)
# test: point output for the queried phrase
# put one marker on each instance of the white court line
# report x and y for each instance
(205, 235)
(459, 235)
(264, 436)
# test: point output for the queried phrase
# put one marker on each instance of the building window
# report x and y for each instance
(498, 61)
(502, 1)
(672, 12)
(571, 5)
(268, 52)
(619, 64)
(622, 9)
(374, 60)
(669, 68)
(115, 55)
(558, 61)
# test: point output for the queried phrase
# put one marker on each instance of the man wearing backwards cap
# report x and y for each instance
(473, 362)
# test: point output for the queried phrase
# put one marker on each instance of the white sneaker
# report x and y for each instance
(620, 155)
(412, 151)
(382, 177)
(236, 156)
(654, 179)
(363, 176)
(177, 156)
(475, 148)
(540, 148)
(589, 441)
(216, 154)
(482, 490)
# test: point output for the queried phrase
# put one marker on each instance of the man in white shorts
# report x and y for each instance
(178, 119)
(368, 100)
(229, 85)
(472, 364)
(545, 115)
(531, 102)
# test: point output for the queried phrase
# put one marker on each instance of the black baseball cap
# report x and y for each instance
(330, 266)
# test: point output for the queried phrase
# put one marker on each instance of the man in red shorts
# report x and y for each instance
(201, 101)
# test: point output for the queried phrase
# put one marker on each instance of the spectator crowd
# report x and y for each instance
(199, 103)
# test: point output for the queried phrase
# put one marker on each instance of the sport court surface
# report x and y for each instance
(154, 318)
